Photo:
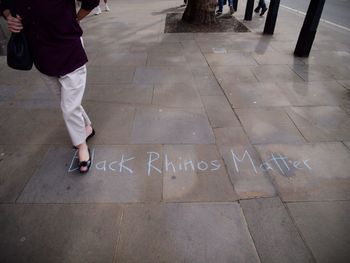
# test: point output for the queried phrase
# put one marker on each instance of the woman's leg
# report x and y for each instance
(72, 91)
(55, 86)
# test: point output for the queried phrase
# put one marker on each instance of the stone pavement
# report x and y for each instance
(218, 147)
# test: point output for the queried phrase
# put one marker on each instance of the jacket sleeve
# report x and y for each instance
(89, 4)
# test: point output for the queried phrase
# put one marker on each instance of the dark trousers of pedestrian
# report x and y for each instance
(262, 4)
(221, 4)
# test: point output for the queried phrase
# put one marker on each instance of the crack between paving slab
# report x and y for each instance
(299, 231)
(289, 117)
(317, 201)
(115, 259)
(251, 236)
(34, 172)
(233, 110)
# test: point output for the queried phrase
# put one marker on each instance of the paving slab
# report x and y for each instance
(185, 233)
(23, 78)
(284, 46)
(213, 46)
(120, 174)
(230, 136)
(340, 72)
(167, 47)
(219, 112)
(246, 44)
(163, 75)
(243, 164)
(196, 60)
(250, 95)
(159, 125)
(265, 126)
(324, 226)
(113, 59)
(313, 72)
(275, 58)
(113, 122)
(109, 75)
(8, 92)
(40, 123)
(275, 235)
(205, 81)
(179, 95)
(328, 57)
(177, 37)
(18, 164)
(230, 59)
(345, 83)
(309, 172)
(35, 92)
(347, 144)
(324, 123)
(190, 46)
(166, 59)
(121, 93)
(275, 73)
(234, 74)
(249, 177)
(58, 233)
(195, 173)
(314, 93)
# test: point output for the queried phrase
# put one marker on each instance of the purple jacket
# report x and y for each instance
(53, 33)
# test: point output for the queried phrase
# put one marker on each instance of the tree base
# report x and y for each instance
(200, 12)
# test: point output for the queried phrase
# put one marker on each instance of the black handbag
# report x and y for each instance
(18, 53)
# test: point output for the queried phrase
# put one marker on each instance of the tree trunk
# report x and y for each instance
(200, 12)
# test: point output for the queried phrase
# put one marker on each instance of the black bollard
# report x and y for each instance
(249, 10)
(235, 5)
(271, 17)
(308, 31)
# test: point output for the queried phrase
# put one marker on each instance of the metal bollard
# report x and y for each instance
(271, 17)
(309, 29)
(249, 10)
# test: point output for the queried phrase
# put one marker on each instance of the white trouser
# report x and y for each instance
(70, 89)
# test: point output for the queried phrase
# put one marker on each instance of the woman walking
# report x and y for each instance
(54, 37)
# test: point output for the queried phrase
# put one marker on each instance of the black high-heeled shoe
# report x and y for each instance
(92, 134)
(85, 164)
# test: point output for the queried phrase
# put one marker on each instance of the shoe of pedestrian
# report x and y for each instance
(263, 11)
(98, 10)
(256, 10)
(218, 13)
(107, 9)
(231, 10)
(85, 164)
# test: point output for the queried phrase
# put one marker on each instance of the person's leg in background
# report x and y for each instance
(234, 3)
(263, 7)
(106, 6)
(230, 3)
(221, 6)
(98, 9)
